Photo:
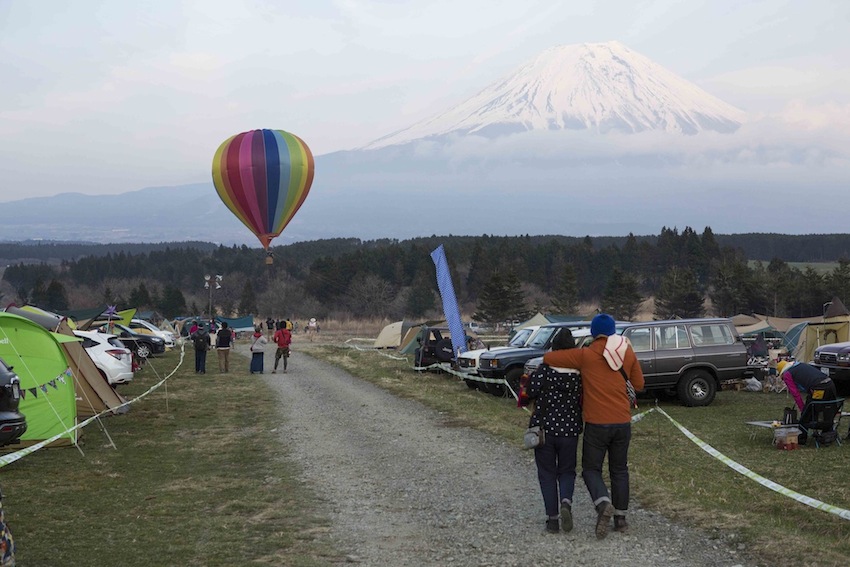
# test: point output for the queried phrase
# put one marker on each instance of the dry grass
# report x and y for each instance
(204, 482)
(672, 475)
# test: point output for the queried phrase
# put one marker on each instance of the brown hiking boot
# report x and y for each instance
(620, 524)
(604, 511)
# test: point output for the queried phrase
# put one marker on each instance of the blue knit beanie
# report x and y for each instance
(602, 324)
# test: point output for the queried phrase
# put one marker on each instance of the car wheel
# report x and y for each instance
(512, 378)
(497, 390)
(102, 373)
(697, 388)
(143, 351)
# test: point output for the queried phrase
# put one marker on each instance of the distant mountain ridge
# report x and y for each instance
(591, 86)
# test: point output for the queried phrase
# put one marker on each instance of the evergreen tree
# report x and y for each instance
(838, 282)
(679, 295)
(172, 303)
(729, 284)
(421, 298)
(55, 298)
(139, 296)
(565, 299)
(621, 298)
(500, 299)
(248, 300)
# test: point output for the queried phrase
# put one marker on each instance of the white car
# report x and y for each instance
(110, 356)
(468, 361)
(148, 328)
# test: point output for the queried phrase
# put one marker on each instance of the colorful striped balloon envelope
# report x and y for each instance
(263, 177)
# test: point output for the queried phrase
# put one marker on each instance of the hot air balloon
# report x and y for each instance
(263, 177)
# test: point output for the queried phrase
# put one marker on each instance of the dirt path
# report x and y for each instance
(403, 486)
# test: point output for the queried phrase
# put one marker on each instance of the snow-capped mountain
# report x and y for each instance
(591, 86)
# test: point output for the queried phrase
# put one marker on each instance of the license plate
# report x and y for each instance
(824, 370)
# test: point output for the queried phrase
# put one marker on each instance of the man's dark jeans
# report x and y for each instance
(556, 471)
(613, 440)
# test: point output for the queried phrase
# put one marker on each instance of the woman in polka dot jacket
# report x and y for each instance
(557, 393)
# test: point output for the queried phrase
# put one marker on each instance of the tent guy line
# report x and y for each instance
(17, 455)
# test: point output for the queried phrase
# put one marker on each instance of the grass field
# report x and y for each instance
(199, 477)
(671, 474)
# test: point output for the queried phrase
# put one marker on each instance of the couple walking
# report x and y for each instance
(577, 389)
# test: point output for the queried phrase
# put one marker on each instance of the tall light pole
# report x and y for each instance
(211, 283)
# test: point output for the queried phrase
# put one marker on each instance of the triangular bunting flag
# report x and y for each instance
(34, 392)
(43, 388)
(23, 394)
(62, 379)
(53, 384)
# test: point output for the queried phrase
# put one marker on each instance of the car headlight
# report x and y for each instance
(843, 356)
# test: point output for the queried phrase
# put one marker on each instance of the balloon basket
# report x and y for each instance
(269, 260)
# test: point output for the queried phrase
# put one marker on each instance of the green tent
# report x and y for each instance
(47, 385)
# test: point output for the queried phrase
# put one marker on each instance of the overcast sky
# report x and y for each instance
(111, 96)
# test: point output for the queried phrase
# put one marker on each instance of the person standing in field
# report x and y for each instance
(607, 416)
(282, 338)
(201, 342)
(223, 342)
(258, 350)
(557, 396)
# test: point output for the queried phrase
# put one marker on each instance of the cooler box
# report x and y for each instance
(786, 437)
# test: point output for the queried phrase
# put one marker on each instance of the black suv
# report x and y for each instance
(834, 361)
(686, 357)
(142, 345)
(507, 364)
(435, 348)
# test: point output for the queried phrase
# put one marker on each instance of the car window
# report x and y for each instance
(520, 337)
(712, 334)
(541, 338)
(115, 342)
(641, 338)
(671, 337)
(88, 343)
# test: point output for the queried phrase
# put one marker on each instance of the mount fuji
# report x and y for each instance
(601, 87)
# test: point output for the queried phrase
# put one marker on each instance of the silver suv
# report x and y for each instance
(685, 357)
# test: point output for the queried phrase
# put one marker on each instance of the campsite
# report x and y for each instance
(133, 473)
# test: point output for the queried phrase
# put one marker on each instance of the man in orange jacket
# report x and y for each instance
(607, 416)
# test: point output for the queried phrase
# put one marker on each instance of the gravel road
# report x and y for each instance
(403, 486)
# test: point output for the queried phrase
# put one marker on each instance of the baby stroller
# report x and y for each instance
(821, 417)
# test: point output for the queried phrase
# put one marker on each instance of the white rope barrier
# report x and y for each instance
(801, 498)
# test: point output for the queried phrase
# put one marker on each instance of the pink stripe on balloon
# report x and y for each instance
(246, 173)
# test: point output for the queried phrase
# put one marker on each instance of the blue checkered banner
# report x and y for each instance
(450, 307)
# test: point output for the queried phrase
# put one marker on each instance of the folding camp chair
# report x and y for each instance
(820, 421)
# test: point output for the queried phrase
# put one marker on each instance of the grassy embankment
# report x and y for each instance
(670, 474)
(199, 477)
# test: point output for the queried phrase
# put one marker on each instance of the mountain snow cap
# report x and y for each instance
(600, 87)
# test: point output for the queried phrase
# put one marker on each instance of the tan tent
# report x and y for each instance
(391, 335)
(93, 392)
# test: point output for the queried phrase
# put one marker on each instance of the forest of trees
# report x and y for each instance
(674, 274)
